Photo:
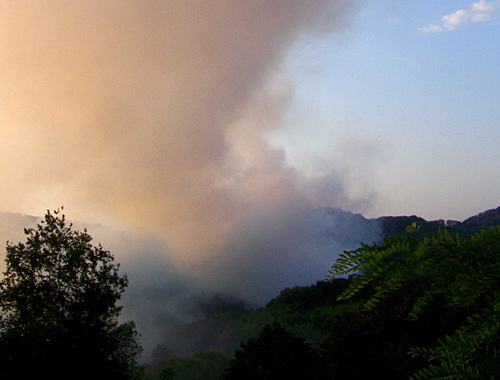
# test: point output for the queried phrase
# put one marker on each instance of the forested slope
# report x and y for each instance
(421, 303)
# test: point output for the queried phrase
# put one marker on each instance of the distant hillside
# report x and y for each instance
(396, 225)
(483, 220)
(347, 228)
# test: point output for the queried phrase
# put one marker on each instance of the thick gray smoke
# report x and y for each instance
(151, 116)
(163, 293)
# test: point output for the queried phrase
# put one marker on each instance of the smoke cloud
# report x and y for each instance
(150, 116)
(265, 256)
(150, 113)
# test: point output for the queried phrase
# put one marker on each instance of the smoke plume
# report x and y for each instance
(150, 113)
(150, 116)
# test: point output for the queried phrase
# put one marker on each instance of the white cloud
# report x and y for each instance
(479, 12)
(483, 6)
(456, 19)
(431, 28)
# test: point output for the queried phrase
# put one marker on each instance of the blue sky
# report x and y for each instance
(425, 105)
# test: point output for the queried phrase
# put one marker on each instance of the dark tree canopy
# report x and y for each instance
(207, 365)
(58, 308)
(275, 354)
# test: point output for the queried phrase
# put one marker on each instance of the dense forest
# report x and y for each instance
(420, 303)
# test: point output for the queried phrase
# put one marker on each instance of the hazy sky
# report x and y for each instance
(203, 120)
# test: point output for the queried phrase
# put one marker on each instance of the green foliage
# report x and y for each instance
(441, 287)
(472, 351)
(58, 304)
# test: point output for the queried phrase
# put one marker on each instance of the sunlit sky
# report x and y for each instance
(201, 118)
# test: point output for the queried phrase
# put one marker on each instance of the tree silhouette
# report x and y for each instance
(275, 354)
(58, 305)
